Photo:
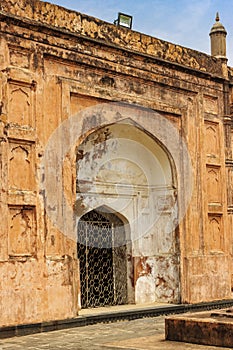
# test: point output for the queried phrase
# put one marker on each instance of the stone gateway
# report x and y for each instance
(116, 167)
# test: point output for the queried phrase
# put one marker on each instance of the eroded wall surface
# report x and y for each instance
(122, 168)
(54, 64)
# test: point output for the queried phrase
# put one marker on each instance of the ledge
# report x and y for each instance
(106, 317)
(56, 18)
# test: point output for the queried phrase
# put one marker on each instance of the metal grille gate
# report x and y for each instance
(103, 271)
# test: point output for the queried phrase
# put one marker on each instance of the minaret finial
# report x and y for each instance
(218, 39)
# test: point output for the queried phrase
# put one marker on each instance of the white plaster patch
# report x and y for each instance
(145, 290)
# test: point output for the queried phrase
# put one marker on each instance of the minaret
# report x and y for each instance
(218, 39)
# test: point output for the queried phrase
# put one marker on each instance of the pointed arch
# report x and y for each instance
(124, 169)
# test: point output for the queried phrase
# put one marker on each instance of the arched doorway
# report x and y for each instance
(124, 167)
(102, 255)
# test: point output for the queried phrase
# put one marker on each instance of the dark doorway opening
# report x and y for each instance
(103, 259)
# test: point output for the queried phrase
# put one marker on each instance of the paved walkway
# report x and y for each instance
(142, 334)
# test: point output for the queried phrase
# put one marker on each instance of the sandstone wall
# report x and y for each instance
(80, 24)
(55, 63)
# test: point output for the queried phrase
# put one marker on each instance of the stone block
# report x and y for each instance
(200, 328)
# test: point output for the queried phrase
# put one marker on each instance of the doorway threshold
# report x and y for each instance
(123, 308)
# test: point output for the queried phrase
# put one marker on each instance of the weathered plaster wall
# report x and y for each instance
(121, 167)
(74, 22)
(54, 63)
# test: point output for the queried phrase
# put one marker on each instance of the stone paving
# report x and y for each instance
(141, 334)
